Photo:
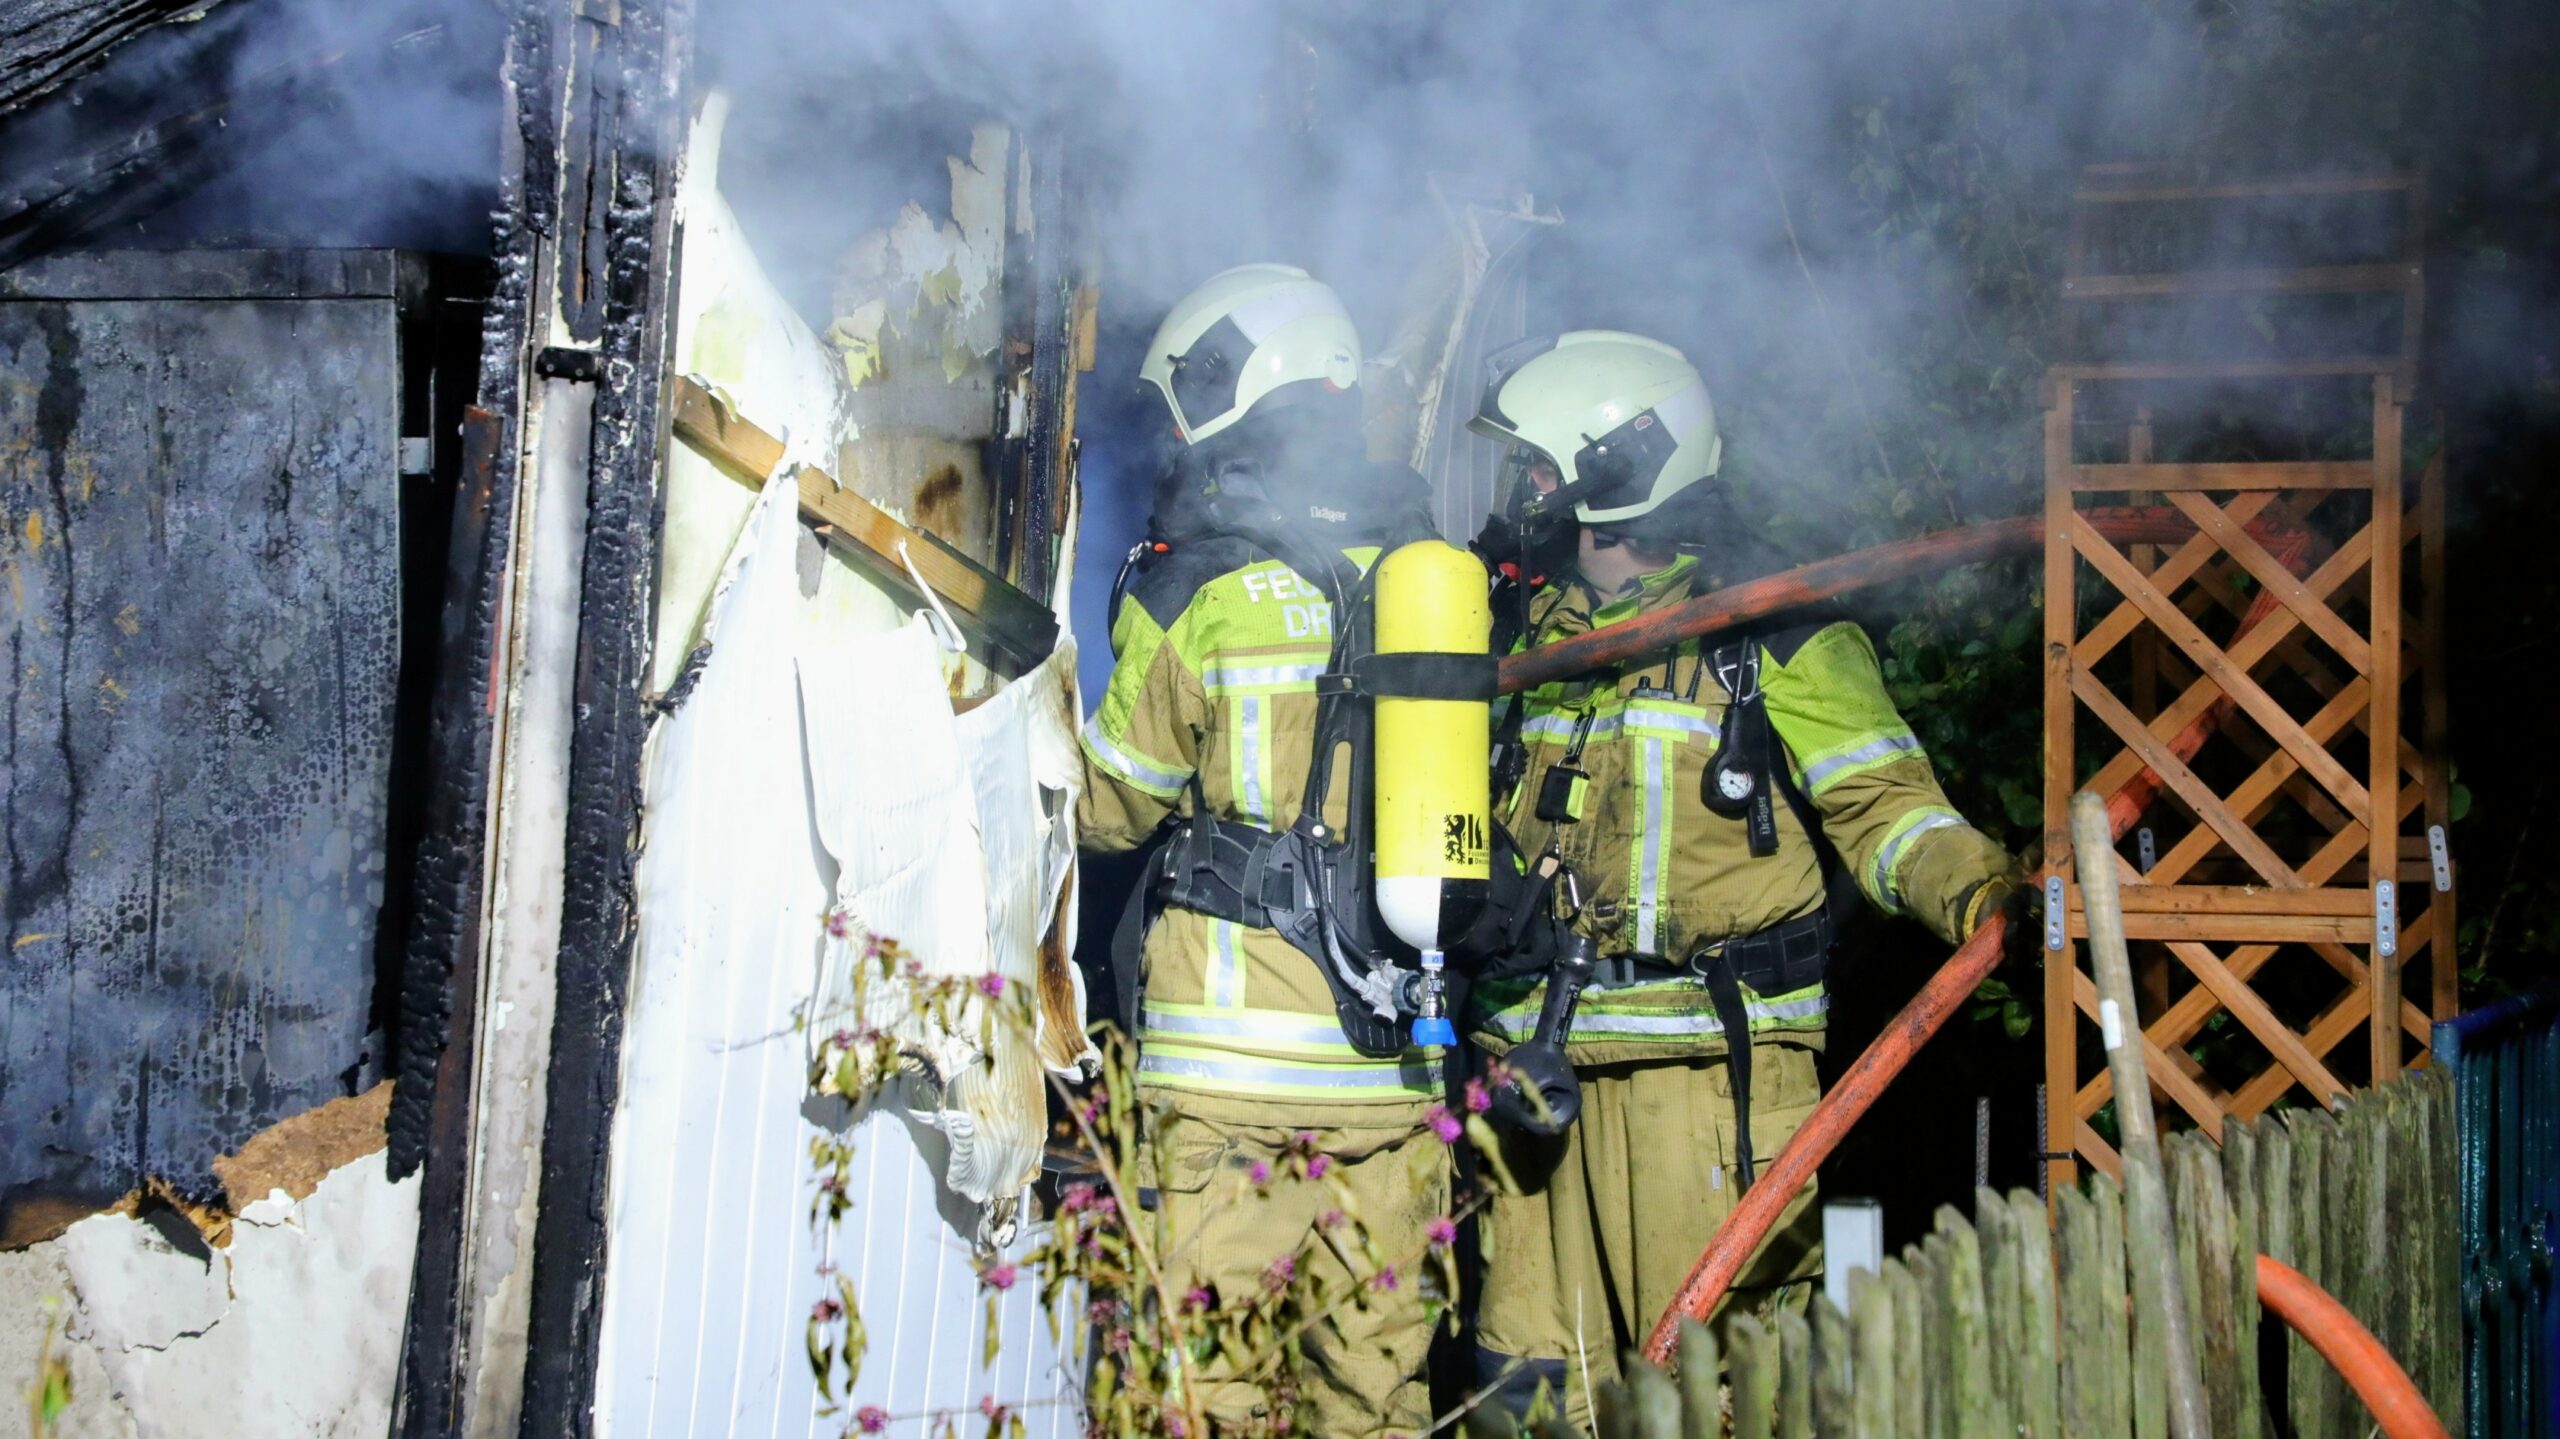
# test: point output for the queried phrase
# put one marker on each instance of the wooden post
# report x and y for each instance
(2061, 774)
(2383, 782)
(2150, 1237)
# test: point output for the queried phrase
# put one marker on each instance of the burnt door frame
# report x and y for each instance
(585, 232)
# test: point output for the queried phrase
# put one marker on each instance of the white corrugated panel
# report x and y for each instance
(713, 1262)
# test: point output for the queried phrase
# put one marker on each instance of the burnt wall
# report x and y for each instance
(199, 618)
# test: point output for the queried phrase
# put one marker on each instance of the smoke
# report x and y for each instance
(289, 123)
(1848, 214)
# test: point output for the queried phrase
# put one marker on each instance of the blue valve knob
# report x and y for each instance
(1434, 1029)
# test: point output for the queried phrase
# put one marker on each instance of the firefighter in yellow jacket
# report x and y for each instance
(1699, 802)
(1209, 720)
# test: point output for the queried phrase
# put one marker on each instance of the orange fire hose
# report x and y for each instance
(1857, 1090)
(2351, 1349)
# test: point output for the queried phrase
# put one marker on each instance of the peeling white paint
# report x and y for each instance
(292, 1331)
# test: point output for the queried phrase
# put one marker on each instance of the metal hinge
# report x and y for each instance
(2146, 852)
(2054, 932)
(2386, 920)
(2440, 858)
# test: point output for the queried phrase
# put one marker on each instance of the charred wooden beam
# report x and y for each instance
(46, 42)
(1020, 629)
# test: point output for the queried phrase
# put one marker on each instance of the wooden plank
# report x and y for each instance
(2278, 1237)
(1021, 628)
(1701, 1381)
(2381, 811)
(2107, 1196)
(2135, 370)
(2278, 580)
(2061, 775)
(2005, 1314)
(1751, 1357)
(2447, 1268)
(2150, 1267)
(1835, 1414)
(2179, 481)
(2089, 1366)
(2094, 1147)
(2182, 781)
(1795, 1375)
(1910, 1351)
(2142, 897)
(1927, 1261)
(2245, 190)
(2204, 1252)
(2227, 675)
(1874, 1376)
(2239, 1161)
(1973, 1397)
(2299, 280)
(1612, 1411)
(2039, 1399)
(2312, 1397)
(2239, 928)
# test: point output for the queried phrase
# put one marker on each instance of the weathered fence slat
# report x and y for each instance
(1795, 1376)
(2039, 1400)
(1910, 1355)
(1753, 1352)
(1928, 1262)
(2240, 1193)
(1875, 1381)
(2310, 1396)
(1833, 1414)
(2147, 1268)
(1975, 1401)
(1701, 1383)
(1653, 1402)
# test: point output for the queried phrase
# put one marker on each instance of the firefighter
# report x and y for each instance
(1713, 805)
(1209, 721)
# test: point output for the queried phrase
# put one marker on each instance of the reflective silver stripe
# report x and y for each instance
(1249, 760)
(1226, 969)
(1128, 766)
(1234, 677)
(1560, 727)
(1520, 1022)
(1311, 1030)
(1641, 717)
(1821, 770)
(1423, 1076)
(1650, 838)
(1892, 851)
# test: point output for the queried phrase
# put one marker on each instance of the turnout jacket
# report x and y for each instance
(1216, 652)
(1664, 876)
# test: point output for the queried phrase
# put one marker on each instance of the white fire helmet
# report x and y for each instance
(1244, 338)
(1625, 420)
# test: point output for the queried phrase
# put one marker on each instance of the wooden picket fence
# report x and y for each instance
(2005, 1324)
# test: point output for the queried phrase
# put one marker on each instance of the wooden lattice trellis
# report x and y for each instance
(2289, 865)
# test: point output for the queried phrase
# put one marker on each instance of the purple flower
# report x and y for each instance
(827, 1310)
(1198, 1298)
(871, 1419)
(1442, 1231)
(915, 969)
(842, 1039)
(839, 924)
(997, 1276)
(1075, 1197)
(1260, 1173)
(991, 985)
(1278, 1273)
(1100, 1311)
(995, 1412)
(1443, 1123)
(1176, 1427)
(1384, 1280)
(1479, 1099)
(1317, 1166)
(1332, 1219)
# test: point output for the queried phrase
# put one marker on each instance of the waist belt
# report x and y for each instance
(1787, 956)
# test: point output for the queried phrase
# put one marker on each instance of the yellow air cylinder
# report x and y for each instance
(1433, 829)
